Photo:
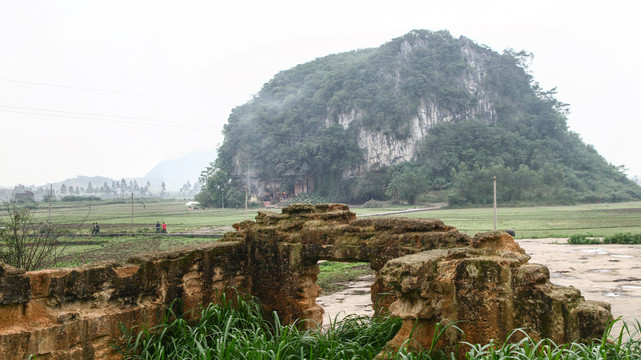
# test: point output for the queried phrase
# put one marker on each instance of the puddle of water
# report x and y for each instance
(622, 256)
(631, 287)
(615, 294)
(601, 270)
(598, 251)
(562, 276)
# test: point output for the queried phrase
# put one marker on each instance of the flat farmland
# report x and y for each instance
(544, 221)
(117, 216)
(188, 227)
(529, 222)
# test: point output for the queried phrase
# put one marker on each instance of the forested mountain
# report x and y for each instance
(425, 115)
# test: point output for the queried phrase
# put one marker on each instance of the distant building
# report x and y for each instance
(26, 196)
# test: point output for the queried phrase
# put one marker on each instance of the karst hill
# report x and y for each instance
(423, 116)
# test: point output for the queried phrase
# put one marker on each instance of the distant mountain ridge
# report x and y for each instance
(176, 172)
(173, 172)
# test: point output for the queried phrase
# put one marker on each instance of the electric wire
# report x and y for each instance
(108, 91)
(101, 117)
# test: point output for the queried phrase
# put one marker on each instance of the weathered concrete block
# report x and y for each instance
(488, 289)
(76, 313)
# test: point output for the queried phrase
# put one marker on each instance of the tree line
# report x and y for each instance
(116, 189)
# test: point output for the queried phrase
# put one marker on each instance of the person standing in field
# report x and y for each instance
(97, 228)
(157, 227)
(164, 227)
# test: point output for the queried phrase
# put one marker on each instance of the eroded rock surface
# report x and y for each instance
(76, 313)
(488, 289)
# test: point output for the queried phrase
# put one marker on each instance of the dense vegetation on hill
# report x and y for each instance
(486, 117)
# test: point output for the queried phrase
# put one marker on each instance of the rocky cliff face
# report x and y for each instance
(384, 148)
(337, 117)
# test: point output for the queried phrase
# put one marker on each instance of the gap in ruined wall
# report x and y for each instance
(353, 296)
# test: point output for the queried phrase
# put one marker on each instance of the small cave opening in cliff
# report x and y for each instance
(346, 289)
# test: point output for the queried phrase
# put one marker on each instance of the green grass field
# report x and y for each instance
(529, 222)
(334, 275)
(545, 221)
(117, 217)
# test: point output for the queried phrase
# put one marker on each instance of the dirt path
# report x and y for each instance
(356, 299)
(389, 213)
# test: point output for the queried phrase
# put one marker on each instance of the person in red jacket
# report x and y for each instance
(164, 227)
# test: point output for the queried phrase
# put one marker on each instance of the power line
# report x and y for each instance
(75, 112)
(110, 91)
(109, 118)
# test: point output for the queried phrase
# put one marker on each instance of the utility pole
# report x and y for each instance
(132, 208)
(494, 203)
(247, 190)
(50, 195)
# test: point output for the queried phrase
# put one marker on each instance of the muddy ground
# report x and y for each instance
(610, 273)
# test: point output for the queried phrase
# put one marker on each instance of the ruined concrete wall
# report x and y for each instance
(75, 313)
(426, 272)
(487, 289)
(429, 273)
(286, 247)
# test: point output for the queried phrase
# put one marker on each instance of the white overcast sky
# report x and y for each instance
(111, 88)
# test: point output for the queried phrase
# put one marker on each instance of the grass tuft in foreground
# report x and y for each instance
(625, 345)
(237, 330)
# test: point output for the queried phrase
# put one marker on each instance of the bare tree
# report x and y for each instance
(25, 242)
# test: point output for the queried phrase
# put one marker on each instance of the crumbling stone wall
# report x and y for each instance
(426, 272)
(488, 289)
(75, 313)
(285, 248)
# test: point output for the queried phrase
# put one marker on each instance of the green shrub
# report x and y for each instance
(619, 238)
(623, 238)
(583, 239)
(376, 204)
(307, 198)
(80, 198)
